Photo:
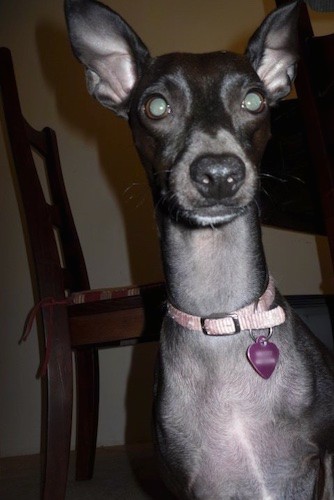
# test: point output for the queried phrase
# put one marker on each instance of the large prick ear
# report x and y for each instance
(273, 50)
(112, 53)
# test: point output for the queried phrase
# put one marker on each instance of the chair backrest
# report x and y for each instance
(315, 90)
(55, 250)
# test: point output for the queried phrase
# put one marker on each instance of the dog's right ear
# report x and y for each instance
(112, 53)
(273, 50)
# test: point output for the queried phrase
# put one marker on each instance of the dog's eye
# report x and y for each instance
(156, 108)
(254, 102)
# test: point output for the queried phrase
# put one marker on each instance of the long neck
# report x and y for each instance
(214, 271)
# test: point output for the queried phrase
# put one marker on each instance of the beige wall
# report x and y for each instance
(109, 198)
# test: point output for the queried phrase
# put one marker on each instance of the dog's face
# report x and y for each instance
(200, 122)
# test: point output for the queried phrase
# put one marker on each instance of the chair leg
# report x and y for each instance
(57, 402)
(87, 381)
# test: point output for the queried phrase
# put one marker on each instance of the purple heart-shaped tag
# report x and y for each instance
(263, 356)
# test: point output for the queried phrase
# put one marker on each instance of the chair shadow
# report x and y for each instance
(139, 420)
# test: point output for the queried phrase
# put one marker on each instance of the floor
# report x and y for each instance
(120, 473)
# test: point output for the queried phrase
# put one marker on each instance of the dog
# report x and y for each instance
(244, 393)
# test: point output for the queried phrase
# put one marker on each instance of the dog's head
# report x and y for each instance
(200, 122)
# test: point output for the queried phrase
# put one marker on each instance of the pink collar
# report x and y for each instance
(255, 316)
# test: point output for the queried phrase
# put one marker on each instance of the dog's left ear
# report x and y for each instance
(273, 50)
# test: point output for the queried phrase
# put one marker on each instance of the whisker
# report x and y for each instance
(258, 206)
(267, 194)
(133, 185)
(165, 171)
(274, 177)
(136, 193)
(298, 179)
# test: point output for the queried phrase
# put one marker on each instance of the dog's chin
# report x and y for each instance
(207, 217)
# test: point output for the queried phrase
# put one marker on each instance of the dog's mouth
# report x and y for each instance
(202, 219)
(200, 215)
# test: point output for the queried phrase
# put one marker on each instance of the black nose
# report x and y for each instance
(217, 176)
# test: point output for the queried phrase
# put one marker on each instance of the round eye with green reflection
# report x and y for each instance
(254, 102)
(156, 108)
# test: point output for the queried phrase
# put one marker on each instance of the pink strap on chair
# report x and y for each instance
(48, 303)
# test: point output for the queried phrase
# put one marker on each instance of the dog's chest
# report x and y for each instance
(222, 428)
(233, 455)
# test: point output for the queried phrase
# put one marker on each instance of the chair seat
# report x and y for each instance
(102, 316)
(113, 315)
(103, 294)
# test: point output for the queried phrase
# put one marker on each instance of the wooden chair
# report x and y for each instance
(315, 91)
(68, 319)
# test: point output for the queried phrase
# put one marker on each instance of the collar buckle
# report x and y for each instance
(233, 316)
(236, 322)
(204, 330)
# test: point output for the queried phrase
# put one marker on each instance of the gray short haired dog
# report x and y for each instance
(244, 393)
